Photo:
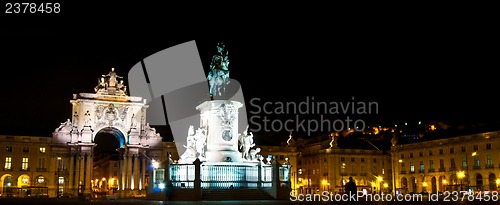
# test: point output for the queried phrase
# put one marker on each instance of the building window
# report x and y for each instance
(422, 168)
(452, 162)
(60, 163)
(41, 163)
(362, 159)
(489, 161)
(412, 167)
(420, 154)
(25, 163)
(42, 150)
(8, 163)
(314, 171)
(476, 163)
(342, 159)
(430, 152)
(115, 173)
(463, 149)
(488, 146)
(8, 149)
(411, 154)
(363, 170)
(464, 162)
(441, 151)
(374, 160)
(452, 150)
(115, 164)
(431, 164)
(26, 149)
(441, 163)
(353, 169)
(403, 167)
(353, 159)
(475, 147)
(402, 156)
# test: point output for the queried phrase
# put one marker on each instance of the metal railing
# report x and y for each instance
(221, 176)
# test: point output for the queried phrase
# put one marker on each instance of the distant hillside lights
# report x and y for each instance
(298, 115)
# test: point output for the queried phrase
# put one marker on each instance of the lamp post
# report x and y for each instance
(324, 182)
(424, 184)
(467, 179)
(444, 183)
(343, 181)
(58, 175)
(460, 175)
(393, 174)
(379, 182)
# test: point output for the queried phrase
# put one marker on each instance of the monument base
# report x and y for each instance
(223, 156)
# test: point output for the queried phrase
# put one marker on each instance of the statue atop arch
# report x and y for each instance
(110, 85)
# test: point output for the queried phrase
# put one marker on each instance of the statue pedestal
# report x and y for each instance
(220, 119)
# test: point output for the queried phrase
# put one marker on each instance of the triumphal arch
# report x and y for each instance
(108, 110)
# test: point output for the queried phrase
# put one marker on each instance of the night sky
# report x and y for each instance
(412, 77)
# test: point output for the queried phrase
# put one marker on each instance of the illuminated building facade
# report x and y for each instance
(27, 163)
(325, 163)
(468, 162)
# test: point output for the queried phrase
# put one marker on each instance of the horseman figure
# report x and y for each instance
(218, 77)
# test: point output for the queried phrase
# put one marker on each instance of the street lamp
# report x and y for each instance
(467, 168)
(324, 182)
(424, 184)
(444, 183)
(343, 181)
(460, 176)
(379, 182)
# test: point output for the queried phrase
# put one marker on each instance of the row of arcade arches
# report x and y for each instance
(452, 183)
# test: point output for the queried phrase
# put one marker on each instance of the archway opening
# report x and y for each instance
(8, 185)
(404, 183)
(479, 182)
(453, 183)
(106, 160)
(413, 185)
(433, 185)
(23, 180)
(492, 181)
(442, 183)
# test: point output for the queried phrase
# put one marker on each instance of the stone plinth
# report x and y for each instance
(220, 119)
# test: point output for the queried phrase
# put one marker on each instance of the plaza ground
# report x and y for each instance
(55, 201)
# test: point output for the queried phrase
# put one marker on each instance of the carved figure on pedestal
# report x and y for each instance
(87, 119)
(190, 153)
(254, 154)
(246, 143)
(201, 141)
